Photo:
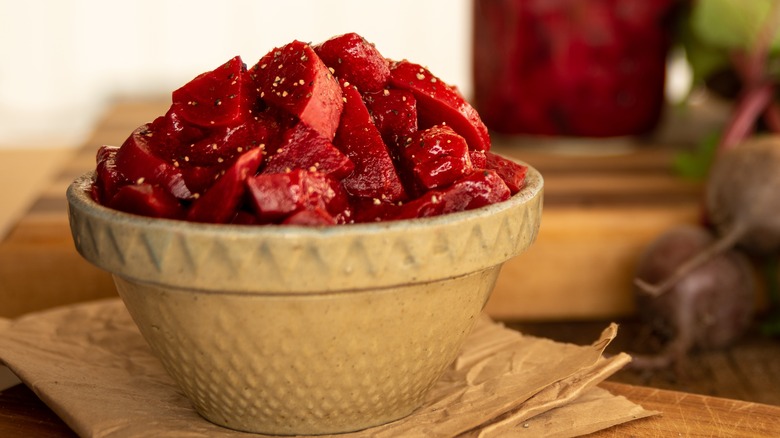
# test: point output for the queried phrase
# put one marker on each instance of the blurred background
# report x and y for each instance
(61, 62)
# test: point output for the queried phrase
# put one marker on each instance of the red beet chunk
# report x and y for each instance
(304, 148)
(107, 176)
(215, 98)
(219, 204)
(394, 113)
(170, 133)
(375, 175)
(294, 78)
(201, 178)
(355, 60)
(277, 196)
(316, 217)
(437, 156)
(439, 103)
(137, 163)
(147, 200)
(226, 143)
(512, 173)
(481, 188)
(478, 158)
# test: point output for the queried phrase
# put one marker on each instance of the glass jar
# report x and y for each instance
(592, 68)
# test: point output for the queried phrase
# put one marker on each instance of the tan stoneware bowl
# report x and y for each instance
(296, 330)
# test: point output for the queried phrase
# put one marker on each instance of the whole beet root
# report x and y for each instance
(710, 307)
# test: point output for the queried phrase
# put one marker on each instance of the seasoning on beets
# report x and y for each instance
(310, 135)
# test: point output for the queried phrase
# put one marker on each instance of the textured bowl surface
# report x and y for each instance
(297, 330)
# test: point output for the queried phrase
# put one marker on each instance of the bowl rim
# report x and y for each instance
(79, 196)
(295, 259)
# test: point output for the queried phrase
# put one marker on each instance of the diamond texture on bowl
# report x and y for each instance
(334, 258)
(317, 364)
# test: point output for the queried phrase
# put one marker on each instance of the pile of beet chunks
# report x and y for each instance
(310, 135)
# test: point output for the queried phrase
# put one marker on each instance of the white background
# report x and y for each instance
(62, 61)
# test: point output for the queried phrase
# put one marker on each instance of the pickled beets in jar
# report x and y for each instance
(593, 68)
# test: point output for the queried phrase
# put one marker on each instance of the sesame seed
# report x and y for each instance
(377, 201)
(140, 180)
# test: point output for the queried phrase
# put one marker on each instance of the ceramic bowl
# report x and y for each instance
(303, 330)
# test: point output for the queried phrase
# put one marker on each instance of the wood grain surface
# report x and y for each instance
(22, 414)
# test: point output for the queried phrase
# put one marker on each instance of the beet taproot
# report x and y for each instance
(710, 307)
(741, 203)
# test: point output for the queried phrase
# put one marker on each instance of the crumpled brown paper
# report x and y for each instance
(90, 365)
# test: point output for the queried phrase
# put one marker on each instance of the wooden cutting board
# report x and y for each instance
(604, 202)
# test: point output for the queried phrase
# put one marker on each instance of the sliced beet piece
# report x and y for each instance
(107, 176)
(478, 158)
(146, 200)
(304, 148)
(216, 98)
(226, 143)
(316, 217)
(512, 173)
(355, 60)
(137, 163)
(375, 175)
(438, 102)
(394, 113)
(170, 132)
(436, 156)
(480, 188)
(295, 79)
(276, 196)
(219, 203)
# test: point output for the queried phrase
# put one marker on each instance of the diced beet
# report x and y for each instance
(375, 175)
(107, 176)
(481, 188)
(372, 210)
(478, 158)
(304, 148)
(226, 143)
(215, 98)
(219, 203)
(147, 200)
(170, 133)
(275, 196)
(436, 156)
(137, 163)
(295, 79)
(355, 60)
(438, 102)
(394, 113)
(316, 217)
(243, 217)
(201, 178)
(512, 173)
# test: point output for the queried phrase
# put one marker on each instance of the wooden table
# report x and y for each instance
(22, 414)
(38, 246)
